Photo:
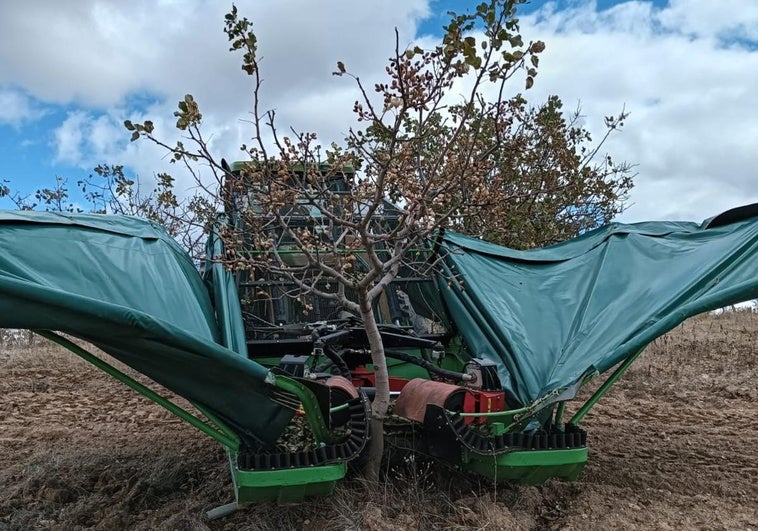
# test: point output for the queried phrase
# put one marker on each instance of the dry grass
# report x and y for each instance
(712, 355)
(673, 445)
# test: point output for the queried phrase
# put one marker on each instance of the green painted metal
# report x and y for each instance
(403, 369)
(218, 432)
(337, 409)
(310, 406)
(494, 414)
(218, 423)
(497, 421)
(560, 410)
(597, 395)
(289, 485)
(497, 428)
(529, 467)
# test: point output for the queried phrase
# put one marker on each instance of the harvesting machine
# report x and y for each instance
(481, 367)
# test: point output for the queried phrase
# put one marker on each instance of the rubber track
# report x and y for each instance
(331, 453)
(480, 443)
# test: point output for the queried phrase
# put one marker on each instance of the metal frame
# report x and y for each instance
(214, 428)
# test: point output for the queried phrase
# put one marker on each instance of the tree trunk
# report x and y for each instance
(382, 399)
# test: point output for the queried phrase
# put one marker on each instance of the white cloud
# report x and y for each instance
(95, 54)
(69, 138)
(726, 19)
(16, 107)
(694, 123)
(687, 72)
(86, 139)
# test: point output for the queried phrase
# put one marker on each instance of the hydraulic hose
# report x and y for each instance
(429, 366)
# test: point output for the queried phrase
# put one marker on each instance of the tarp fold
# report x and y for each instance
(549, 316)
(124, 285)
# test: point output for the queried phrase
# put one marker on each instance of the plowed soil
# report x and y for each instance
(674, 445)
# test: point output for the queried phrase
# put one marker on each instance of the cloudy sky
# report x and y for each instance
(72, 72)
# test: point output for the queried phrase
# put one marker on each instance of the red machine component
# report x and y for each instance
(362, 377)
(469, 400)
(482, 402)
(420, 393)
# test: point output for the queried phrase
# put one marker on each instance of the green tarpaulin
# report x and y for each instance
(549, 316)
(546, 316)
(124, 285)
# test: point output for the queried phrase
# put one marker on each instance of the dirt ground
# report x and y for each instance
(673, 446)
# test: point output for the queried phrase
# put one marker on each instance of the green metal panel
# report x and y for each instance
(530, 467)
(286, 485)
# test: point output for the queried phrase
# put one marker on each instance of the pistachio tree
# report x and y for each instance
(431, 147)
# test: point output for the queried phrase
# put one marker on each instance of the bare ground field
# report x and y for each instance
(673, 446)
